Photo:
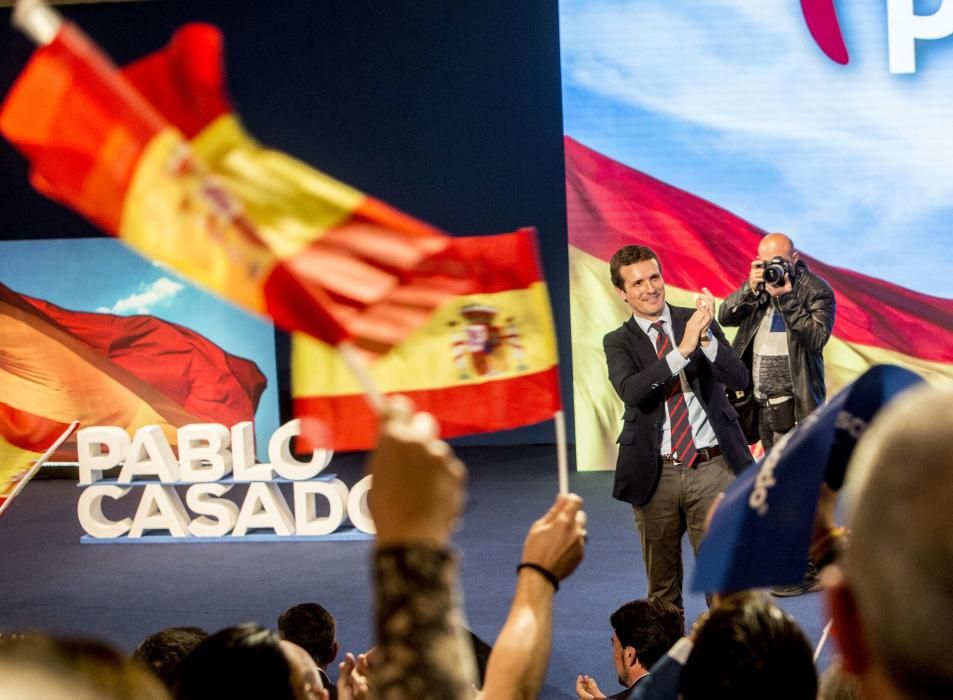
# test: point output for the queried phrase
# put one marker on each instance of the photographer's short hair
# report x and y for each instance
(650, 626)
(312, 628)
(629, 255)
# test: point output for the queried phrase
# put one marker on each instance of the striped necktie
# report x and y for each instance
(683, 445)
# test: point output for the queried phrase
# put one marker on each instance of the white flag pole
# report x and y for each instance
(823, 639)
(37, 20)
(562, 461)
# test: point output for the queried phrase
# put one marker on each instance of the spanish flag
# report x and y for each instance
(26, 441)
(57, 366)
(156, 157)
(700, 244)
(485, 361)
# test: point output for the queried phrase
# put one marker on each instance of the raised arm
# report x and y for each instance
(417, 495)
(552, 550)
(743, 302)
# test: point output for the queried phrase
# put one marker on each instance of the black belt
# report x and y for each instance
(705, 454)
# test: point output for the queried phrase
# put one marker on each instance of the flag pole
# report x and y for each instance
(562, 461)
(823, 639)
(37, 20)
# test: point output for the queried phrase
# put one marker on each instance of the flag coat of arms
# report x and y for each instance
(485, 361)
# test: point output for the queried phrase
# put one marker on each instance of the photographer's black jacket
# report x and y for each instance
(808, 312)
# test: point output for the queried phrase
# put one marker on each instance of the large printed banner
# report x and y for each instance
(91, 332)
(683, 137)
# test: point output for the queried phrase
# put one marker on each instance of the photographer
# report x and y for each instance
(785, 315)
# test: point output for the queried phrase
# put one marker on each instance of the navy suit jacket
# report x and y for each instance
(638, 375)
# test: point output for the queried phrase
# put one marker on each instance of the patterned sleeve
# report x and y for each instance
(419, 654)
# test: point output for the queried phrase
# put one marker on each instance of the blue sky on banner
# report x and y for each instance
(733, 101)
(103, 275)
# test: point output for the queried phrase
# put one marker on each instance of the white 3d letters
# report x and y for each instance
(306, 520)
(279, 453)
(211, 461)
(150, 455)
(217, 515)
(160, 509)
(93, 459)
(204, 442)
(90, 511)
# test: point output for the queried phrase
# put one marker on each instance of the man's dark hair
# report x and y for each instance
(629, 255)
(650, 626)
(161, 652)
(244, 662)
(312, 628)
(749, 650)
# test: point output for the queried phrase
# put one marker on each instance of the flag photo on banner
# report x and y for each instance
(701, 244)
(57, 366)
(679, 139)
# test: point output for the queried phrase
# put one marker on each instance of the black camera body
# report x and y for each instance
(775, 271)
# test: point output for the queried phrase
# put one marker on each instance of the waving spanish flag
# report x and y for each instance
(485, 361)
(156, 157)
(26, 442)
(700, 244)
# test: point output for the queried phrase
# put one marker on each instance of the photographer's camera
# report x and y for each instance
(776, 270)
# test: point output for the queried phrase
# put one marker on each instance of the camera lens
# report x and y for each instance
(775, 271)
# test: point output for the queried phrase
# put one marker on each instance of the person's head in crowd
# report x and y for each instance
(749, 649)
(305, 676)
(313, 628)
(892, 595)
(642, 631)
(87, 668)
(161, 652)
(244, 661)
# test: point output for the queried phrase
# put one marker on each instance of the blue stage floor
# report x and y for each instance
(122, 593)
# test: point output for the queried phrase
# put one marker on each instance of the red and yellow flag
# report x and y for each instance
(25, 439)
(485, 361)
(57, 366)
(158, 159)
(700, 244)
